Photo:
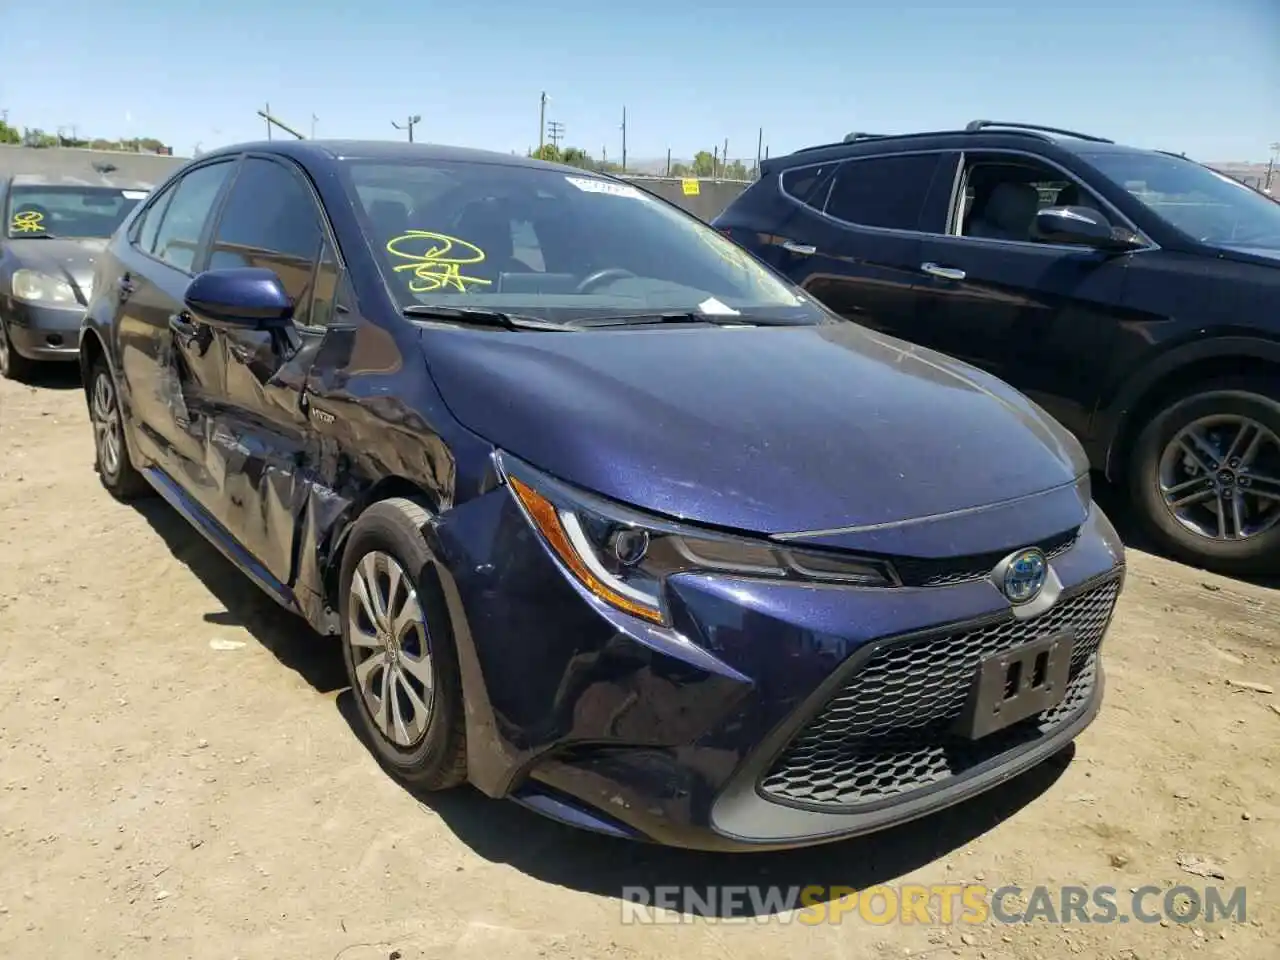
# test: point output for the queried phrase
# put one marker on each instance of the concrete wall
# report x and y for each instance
(132, 169)
(713, 195)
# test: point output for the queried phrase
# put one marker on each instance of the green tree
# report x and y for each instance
(575, 157)
(9, 134)
(704, 164)
(548, 151)
(735, 171)
(35, 137)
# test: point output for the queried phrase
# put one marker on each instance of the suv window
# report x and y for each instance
(147, 226)
(184, 219)
(271, 220)
(801, 183)
(882, 191)
(1001, 197)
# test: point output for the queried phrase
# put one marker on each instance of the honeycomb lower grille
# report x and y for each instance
(888, 730)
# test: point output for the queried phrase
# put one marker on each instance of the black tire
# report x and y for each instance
(13, 365)
(118, 474)
(438, 760)
(1252, 397)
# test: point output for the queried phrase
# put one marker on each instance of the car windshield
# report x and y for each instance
(556, 245)
(1209, 206)
(68, 211)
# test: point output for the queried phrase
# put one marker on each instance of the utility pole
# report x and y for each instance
(624, 139)
(266, 112)
(759, 146)
(542, 122)
(273, 121)
(412, 122)
(715, 161)
(314, 120)
(724, 158)
(668, 161)
(1271, 164)
(555, 132)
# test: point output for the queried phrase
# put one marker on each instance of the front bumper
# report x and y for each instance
(43, 333)
(774, 715)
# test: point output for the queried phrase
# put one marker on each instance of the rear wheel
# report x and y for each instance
(13, 365)
(398, 649)
(1205, 476)
(111, 448)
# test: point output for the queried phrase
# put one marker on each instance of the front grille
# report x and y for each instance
(940, 573)
(889, 728)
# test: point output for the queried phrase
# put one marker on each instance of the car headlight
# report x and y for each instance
(37, 287)
(624, 556)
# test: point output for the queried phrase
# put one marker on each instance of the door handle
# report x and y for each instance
(946, 273)
(804, 249)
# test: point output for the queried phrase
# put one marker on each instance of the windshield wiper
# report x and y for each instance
(642, 319)
(480, 317)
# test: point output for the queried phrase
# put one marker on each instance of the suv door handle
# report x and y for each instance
(946, 273)
(804, 249)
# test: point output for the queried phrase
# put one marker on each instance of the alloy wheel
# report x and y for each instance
(1220, 477)
(105, 412)
(388, 637)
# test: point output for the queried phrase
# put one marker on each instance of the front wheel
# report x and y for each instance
(398, 649)
(1205, 477)
(13, 365)
(111, 449)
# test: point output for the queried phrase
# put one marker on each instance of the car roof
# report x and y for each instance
(388, 151)
(105, 181)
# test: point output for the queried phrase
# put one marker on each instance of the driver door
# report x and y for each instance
(272, 219)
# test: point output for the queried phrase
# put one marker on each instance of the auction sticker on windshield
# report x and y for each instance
(134, 194)
(592, 185)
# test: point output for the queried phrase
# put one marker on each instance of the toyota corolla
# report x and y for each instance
(610, 519)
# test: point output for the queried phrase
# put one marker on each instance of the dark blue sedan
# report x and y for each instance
(611, 519)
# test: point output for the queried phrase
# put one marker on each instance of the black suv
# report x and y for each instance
(1134, 294)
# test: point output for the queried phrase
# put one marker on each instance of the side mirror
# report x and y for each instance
(244, 298)
(1085, 227)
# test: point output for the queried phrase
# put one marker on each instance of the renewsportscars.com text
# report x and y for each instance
(935, 904)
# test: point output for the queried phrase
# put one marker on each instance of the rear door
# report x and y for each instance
(1041, 316)
(853, 244)
(173, 372)
(271, 219)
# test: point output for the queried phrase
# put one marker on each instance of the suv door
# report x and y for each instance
(173, 374)
(1041, 316)
(271, 219)
(853, 243)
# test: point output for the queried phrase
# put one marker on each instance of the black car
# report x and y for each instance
(1134, 294)
(53, 228)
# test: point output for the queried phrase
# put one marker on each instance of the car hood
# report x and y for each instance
(70, 260)
(761, 429)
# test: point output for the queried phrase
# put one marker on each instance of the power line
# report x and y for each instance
(412, 122)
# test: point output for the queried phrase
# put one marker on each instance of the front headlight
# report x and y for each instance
(37, 287)
(623, 556)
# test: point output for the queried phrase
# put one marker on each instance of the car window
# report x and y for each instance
(542, 241)
(325, 294)
(802, 183)
(1000, 198)
(271, 220)
(184, 218)
(145, 228)
(1206, 205)
(69, 211)
(882, 191)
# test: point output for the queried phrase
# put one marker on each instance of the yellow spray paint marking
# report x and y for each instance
(691, 187)
(29, 221)
(436, 261)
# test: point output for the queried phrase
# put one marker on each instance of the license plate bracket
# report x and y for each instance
(1015, 684)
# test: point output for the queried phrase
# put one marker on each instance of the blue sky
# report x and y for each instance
(1196, 75)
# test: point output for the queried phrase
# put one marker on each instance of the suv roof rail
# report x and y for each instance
(977, 126)
(859, 135)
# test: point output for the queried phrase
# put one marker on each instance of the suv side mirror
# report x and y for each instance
(1085, 227)
(243, 298)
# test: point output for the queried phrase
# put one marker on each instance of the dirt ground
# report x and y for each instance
(179, 777)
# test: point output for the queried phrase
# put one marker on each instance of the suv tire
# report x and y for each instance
(1225, 402)
(386, 543)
